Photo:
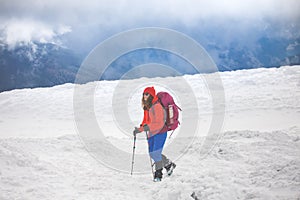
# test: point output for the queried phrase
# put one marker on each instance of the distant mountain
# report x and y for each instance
(36, 65)
(266, 52)
(40, 65)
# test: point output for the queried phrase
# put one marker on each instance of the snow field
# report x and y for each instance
(257, 157)
(243, 165)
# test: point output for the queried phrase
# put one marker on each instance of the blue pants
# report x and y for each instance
(156, 145)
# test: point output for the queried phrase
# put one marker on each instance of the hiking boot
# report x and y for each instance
(170, 167)
(158, 175)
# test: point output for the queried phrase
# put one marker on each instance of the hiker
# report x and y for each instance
(154, 125)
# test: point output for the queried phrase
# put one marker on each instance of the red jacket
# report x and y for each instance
(155, 119)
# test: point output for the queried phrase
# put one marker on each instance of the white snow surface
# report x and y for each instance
(257, 157)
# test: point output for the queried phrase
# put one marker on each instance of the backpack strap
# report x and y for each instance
(178, 107)
(171, 134)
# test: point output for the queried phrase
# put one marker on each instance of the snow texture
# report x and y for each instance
(257, 157)
(244, 165)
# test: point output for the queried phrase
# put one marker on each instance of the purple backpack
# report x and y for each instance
(171, 109)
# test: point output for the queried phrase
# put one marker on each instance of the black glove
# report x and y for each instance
(146, 128)
(136, 131)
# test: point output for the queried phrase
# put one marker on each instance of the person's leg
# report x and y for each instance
(168, 164)
(150, 145)
(156, 144)
(159, 141)
(165, 160)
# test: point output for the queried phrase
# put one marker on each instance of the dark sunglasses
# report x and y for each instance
(146, 94)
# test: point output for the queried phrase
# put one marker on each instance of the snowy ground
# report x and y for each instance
(42, 157)
(244, 165)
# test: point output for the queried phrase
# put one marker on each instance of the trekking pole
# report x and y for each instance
(149, 155)
(133, 151)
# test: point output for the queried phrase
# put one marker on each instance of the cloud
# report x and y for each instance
(17, 31)
(118, 11)
(41, 20)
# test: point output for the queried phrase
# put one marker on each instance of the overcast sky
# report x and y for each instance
(46, 21)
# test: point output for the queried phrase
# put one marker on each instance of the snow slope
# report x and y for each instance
(257, 157)
(257, 99)
(244, 165)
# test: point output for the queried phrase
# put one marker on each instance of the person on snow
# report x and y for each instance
(154, 125)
